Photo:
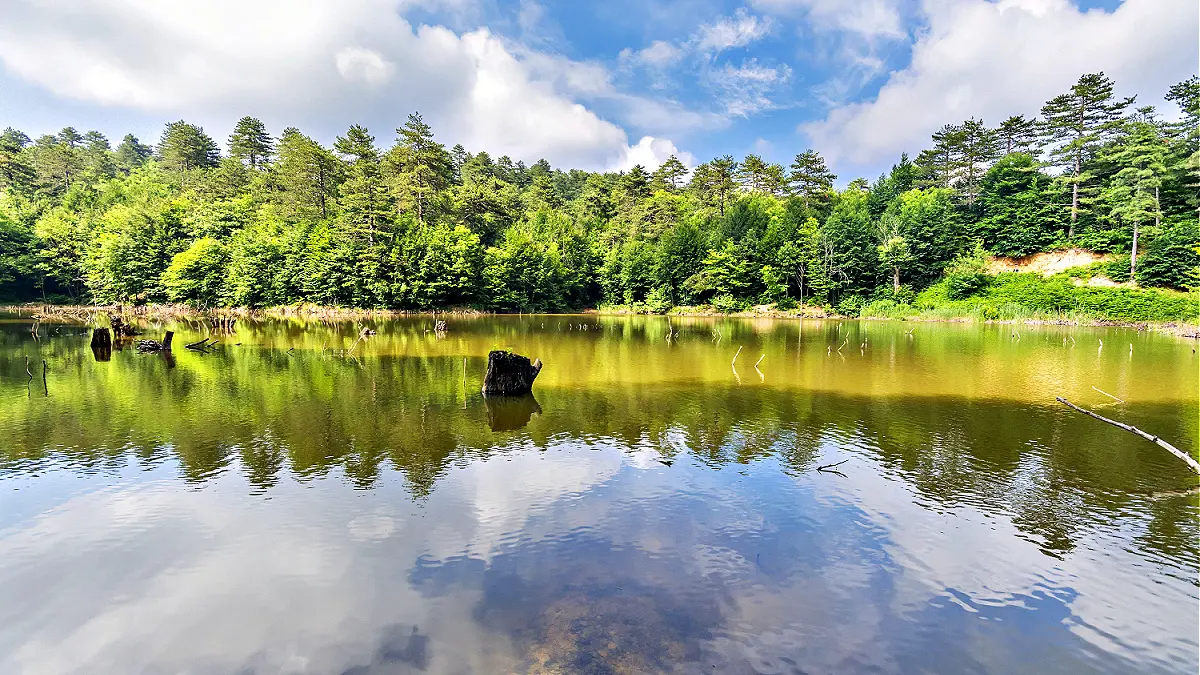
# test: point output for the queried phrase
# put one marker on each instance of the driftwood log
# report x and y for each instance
(509, 374)
(1192, 463)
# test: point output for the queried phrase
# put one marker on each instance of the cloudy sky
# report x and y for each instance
(594, 85)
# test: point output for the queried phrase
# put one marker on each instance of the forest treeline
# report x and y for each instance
(284, 220)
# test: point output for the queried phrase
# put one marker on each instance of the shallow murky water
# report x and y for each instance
(294, 502)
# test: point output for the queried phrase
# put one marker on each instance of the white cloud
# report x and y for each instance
(746, 88)
(730, 32)
(868, 18)
(364, 65)
(995, 59)
(659, 54)
(321, 65)
(651, 152)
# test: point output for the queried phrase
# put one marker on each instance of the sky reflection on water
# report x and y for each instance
(621, 529)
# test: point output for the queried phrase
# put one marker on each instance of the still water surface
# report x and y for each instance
(294, 502)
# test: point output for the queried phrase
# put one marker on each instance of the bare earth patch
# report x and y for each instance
(1049, 263)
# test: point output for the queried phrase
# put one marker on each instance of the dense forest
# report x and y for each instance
(274, 221)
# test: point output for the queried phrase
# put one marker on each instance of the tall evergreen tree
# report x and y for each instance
(669, 176)
(185, 146)
(364, 194)
(132, 153)
(250, 143)
(1141, 152)
(941, 163)
(1017, 134)
(308, 173)
(15, 170)
(423, 166)
(756, 175)
(714, 181)
(810, 179)
(976, 151)
(1076, 125)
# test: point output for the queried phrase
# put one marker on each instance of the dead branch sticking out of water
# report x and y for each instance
(832, 468)
(27, 369)
(203, 346)
(1195, 466)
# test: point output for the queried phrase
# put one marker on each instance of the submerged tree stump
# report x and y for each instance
(102, 344)
(509, 374)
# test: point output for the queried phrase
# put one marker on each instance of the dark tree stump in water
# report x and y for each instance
(509, 374)
(121, 329)
(101, 344)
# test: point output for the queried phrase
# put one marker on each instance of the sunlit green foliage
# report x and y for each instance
(415, 226)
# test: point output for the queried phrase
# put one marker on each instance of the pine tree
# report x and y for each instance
(185, 146)
(976, 151)
(250, 143)
(942, 162)
(810, 179)
(132, 153)
(1076, 125)
(364, 194)
(757, 175)
(423, 167)
(458, 157)
(1184, 161)
(1141, 152)
(309, 174)
(15, 171)
(714, 181)
(70, 137)
(97, 154)
(1017, 134)
(669, 176)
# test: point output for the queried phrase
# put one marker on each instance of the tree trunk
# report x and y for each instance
(509, 374)
(1133, 255)
(1074, 202)
(896, 280)
(1157, 208)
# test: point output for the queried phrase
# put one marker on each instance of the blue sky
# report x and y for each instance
(597, 85)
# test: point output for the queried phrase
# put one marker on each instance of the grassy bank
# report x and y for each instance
(1024, 296)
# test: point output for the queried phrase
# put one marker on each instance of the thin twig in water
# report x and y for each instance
(1107, 394)
(759, 360)
(739, 351)
(827, 467)
(27, 369)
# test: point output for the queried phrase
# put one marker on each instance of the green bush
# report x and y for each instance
(197, 274)
(967, 275)
(1016, 295)
(1172, 259)
(725, 302)
(658, 300)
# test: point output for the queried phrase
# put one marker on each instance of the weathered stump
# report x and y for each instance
(120, 329)
(166, 343)
(101, 344)
(509, 374)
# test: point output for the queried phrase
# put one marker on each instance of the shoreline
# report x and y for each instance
(50, 312)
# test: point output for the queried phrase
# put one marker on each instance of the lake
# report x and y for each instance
(300, 500)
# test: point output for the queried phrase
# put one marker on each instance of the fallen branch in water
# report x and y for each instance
(829, 468)
(1195, 466)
